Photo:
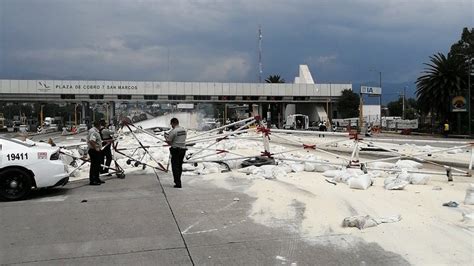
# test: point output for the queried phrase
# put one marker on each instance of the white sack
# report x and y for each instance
(355, 171)
(408, 164)
(297, 167)
(210, 168)
(419, 179)
(382, 165)
(188, 167)
(258, 171)
(469, 199)
(247, 170)
(331, 173)
(404, 175)
(235, 164)
(285, 167)
(267, 171)
(309, 167)
(323, 167)
(360, 182)
(343, 177)
(278, 172)
(396, 184)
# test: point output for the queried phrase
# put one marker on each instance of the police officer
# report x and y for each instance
(107, 139)
(177, 139)
(94, 143)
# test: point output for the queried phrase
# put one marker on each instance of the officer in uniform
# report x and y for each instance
(107, 139)
(176, 138)
(94, 143)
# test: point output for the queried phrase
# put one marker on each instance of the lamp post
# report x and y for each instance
(469, 70)
(380, 98)
(469, 95)
(41, 115)
(469, 106)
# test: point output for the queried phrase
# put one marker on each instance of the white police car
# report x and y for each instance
(25, 165)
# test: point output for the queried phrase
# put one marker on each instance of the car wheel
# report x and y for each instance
(15, 184)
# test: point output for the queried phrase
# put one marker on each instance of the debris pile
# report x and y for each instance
(367, 221)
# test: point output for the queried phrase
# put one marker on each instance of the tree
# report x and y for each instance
(348, 104)
(395, 108)
(465, 46)
(442, 79)
(464, 50)
(274, 79)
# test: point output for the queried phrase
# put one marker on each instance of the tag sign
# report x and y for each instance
(370, 90)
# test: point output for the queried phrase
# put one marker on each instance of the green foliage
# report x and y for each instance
(465, 46)
(445, 76)
(274, 79)
(395, 108)
(9, 111)
(31, 110)
(348, 104)
(442, 78)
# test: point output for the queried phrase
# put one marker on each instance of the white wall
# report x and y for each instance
(371, 113)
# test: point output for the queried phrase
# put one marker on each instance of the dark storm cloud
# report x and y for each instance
(206, 40)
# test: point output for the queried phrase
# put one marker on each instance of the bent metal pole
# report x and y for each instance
(222, 127)
(310, 132)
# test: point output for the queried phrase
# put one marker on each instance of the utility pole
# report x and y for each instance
(469, 95)
(403, 102)
(380, 98)
(361, 111)
(41, 115)
(168, 67)
(75, 115)
(260, 66)
(469, 100)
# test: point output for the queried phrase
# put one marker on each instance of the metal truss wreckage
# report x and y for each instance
(136, 155)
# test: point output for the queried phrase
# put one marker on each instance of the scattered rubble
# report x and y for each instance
(393, 183)
(451, 204)
(367, 221)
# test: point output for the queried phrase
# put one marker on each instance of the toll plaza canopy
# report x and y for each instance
(119, 91)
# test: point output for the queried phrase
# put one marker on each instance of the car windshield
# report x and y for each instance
(27, 143)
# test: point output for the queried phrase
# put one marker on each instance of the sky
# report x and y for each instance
(215, 40)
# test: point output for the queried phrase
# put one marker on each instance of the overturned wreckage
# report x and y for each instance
(203, 148)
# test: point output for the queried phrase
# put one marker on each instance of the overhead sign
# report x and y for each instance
(370, 90)
(185, 106)
(459, 104)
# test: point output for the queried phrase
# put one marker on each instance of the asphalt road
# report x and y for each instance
(137, 221)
